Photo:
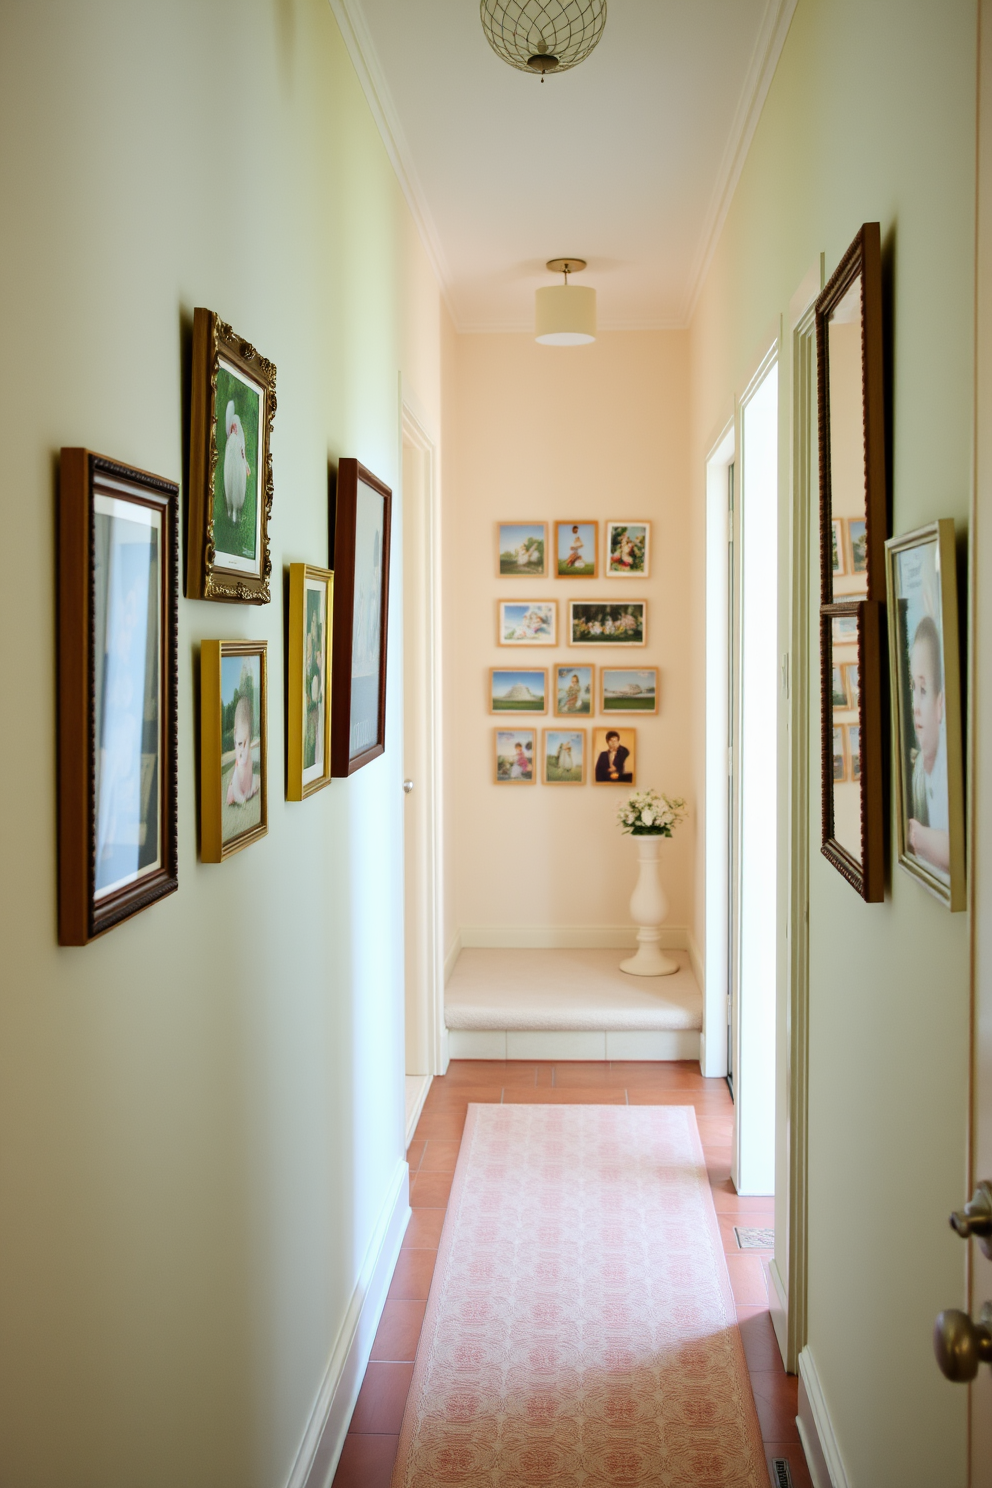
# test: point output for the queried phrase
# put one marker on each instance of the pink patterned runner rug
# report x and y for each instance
(581, 1327)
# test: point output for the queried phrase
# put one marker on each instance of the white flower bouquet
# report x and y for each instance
(648, 814)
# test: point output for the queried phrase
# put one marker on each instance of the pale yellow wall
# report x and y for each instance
(200, 1114)
(543, 433)
(871, 115)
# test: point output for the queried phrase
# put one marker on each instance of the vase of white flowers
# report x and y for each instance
(649, 817)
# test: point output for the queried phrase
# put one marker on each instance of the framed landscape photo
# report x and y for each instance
(926, 709)
(514, 756)
(628, 550)
(233, 747)
(230, 466)
(563, 755)
(118, 708)
(844, 630)
(362, 524)
(614, 753)
(522, 548)
(857, 544)
(518, 690)
(308, 710)
(606, 623)
(528, 622)
(575, 691)
(629, 690)
(576, 550)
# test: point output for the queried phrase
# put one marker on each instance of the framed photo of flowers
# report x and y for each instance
(362, 526)
(514, 756)
(233, 747)
(308, 722)
(628, 554)
(230, 466)
(118, 709)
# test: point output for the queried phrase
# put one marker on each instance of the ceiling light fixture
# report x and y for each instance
(564, 314)
(543, 35)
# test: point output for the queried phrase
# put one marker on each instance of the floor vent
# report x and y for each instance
(781, 1476)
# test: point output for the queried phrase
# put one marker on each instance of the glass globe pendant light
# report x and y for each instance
(543, 35)
(565, 314)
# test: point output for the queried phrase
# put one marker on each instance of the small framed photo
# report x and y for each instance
(362, 526)
(838, 688)
(926, 709)
(853, 749)
(563, 752)
(528, 622)
(522, 548)
(518, 690)
(628, 550)
(857, 544)
(514, 756)
(843, 630)
(838, 547)
(605, 623)
(233, 747)
(839, 755)
(575, 691)
(230, 466)
(118, 708)
(851, 684)
(308, 718)
(576, 550)
(614, 754)
(629, 690)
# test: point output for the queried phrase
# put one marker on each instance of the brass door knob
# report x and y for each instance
(976, 1218)
(961, 1345)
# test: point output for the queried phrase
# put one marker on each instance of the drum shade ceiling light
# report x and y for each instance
(543, 35)
(565, 314)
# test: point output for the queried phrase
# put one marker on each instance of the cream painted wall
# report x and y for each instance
(201, 1115)
(544, 433)
(871, 115)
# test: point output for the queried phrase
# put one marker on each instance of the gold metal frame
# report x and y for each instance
(544, 755)
(213, 849)
(299, 573)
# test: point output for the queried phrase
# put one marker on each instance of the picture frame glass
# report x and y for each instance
(315, 672)
(370, 517)
(627, 555)
(515, 754)
(242, 762)
(630, 690)
(574, 691)
(522, 548)
(239, 411)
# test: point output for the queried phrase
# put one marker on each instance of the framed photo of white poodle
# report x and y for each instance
(233, 747)
(230, 466)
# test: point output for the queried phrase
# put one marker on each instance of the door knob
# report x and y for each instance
(976, 1218)
(408, 786)
(961, 1345)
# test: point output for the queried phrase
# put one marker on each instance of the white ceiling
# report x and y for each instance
(629, 160)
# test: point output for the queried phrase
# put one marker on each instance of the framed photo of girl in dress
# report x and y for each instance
(576, 545)
(514, 756)
(233, 747)
(563, 752)
(308, 722)
(575, 691)
(628, 550)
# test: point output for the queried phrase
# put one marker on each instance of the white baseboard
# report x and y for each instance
(826, 1466)
(778, 1306)
(416, 1094)
(567, 937)
(454, 951)
(317, 1459)
(472, 1043)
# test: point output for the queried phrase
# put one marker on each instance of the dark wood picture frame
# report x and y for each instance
(83, 912)
(208, 576)
(347, 753)
(862, 261)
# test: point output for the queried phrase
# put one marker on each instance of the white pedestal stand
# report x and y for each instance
(648, 910)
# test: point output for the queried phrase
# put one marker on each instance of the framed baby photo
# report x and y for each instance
(604, 623)
(576, 550)
(628, 550)
(514, 756)
(528, 622)
(575, 691)
(230, 466)
(628, 689)
(118, 709)
(563, 756)
(308, 715)
(926, 709)
(233, 747)
(518, 690)
(614, 754)
(522, 549)
(361, 537)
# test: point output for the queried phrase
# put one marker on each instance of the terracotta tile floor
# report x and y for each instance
(370, 1446)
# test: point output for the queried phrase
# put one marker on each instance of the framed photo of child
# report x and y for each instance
(575, 691)
(521, 549)
(563, 753)
(628, 550)
(514, 753)
(614, 753)
(576, 550)
(308, 721)
(233, 747)
(926, 709)
(528, 622)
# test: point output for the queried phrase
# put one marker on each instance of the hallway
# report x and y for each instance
(370, 1447)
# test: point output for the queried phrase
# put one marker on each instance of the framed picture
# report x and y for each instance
(118, 709)
(518, 691)
(838, 546)
(308, 715)
(362, 525)
(614, 754)
(575, 691)
(563, 752)
(853, 750)
(857, 543)
(233, 747)
(576, 550)
(844, 630)
(528, 622)
(514, 756)
(627, 550)
(522, 548)
(629, 690)
(851, 684)
(604, 623)
(839, 756)
(838, 688)
(230, 466)
(926, 709)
